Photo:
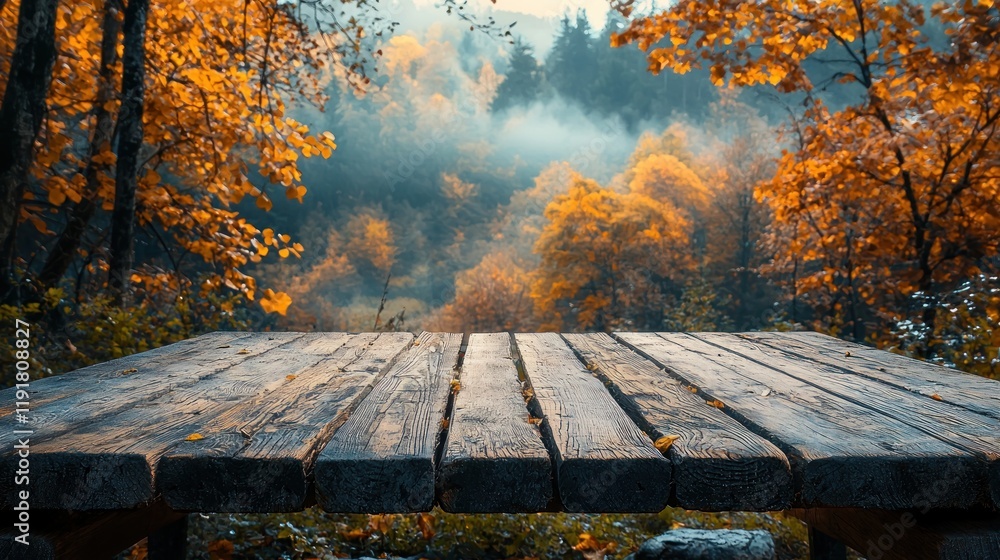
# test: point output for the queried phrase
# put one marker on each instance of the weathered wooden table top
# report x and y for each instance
(389, 422)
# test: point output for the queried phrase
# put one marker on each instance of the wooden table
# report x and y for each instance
(849, 438)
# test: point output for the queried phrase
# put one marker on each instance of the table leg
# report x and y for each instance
(823, 546)
(169, 542)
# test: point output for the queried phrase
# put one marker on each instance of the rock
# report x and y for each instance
(692, 544)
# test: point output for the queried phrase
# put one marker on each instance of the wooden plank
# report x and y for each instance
(255, 457)
(494, 459)
(83, 380)
(952, 424)
(58, 535)
(718, 465)
(969, 391)
(382, 459)
(109, 463)
(604, 463)
(842, 454)
(81, 400)
(905, 535)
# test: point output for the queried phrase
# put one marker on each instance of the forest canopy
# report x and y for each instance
(170, 167)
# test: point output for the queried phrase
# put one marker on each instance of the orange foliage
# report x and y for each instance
(492, 296)
(609, 260)
(890, 196)
(219, 75)
(664, 177)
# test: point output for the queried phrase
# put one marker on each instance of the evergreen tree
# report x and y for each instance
(523, 81)
(572, 64)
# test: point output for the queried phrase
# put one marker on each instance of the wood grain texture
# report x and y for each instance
(718, 465)
(110, 463)
(842, 454)
(973, 392)
(494, 459)
(119, 385)
(949, 423)
(382, 459)
(53, 388)
(604, 463)
(255, 457)
(895, 535)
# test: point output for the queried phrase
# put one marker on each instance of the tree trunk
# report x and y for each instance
(21, 118)
(129, 145)
(65, 249)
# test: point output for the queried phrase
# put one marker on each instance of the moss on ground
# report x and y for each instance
(316, 534)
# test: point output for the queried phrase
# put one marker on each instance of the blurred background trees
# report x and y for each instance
(842, 178)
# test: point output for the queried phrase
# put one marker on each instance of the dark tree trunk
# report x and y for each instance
(129, 145)
(65, 249)
(21, 118)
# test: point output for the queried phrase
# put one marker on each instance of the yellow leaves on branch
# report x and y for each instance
(210, 118)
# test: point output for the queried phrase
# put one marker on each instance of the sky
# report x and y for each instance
(537, 19)
(596, 9)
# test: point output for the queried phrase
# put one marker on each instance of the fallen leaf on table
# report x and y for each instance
(716, 403)
(664, 443)
(194, 437)
(289, 377)
(936, 397)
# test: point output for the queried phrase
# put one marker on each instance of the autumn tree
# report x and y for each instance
(609, 260)
(743, 156)
(494, 295)
(192, 159)
(130, 141)
(28, 75)
(889, 196)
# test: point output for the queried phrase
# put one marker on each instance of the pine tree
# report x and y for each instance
(572, 64)
(523, 81)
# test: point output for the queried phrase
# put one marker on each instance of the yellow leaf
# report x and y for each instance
(355, 534)
(425, 522)
(289, 377)
(264, 203)
(194, 437)
(275, 302)
(57, 196)
(716, 403)
(664, 443)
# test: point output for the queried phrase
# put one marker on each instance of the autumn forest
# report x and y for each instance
(174, 167)
(170, 167)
